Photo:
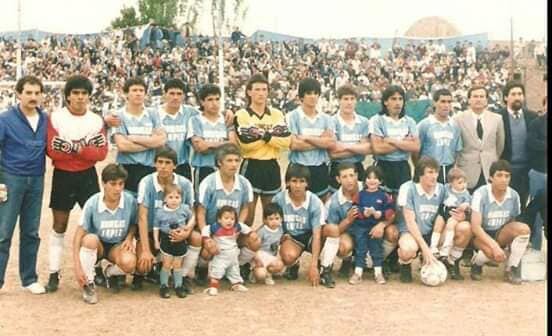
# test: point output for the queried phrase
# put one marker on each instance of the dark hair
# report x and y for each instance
(77, 82)
(477, 87)
(344, 166)
(509, 86)
(439, 93)
(298, 171)
(172, 187)
(113, 172)
(174, 83)
(31, 80)
(308, 85)
(423, 163)
(256, 78)
(376, 170)
(225, 150)
(387, 93)
(500, 165)
(208, 90)
(134, 81)
(271, 209)
(167, 153)
(346, 90)
(227, 208)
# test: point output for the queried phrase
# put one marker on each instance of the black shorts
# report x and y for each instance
(319, 178)
(178, 249)
(494, 233)
(69, 188)
(304, 241)
(107, 247)
(184, 170)
(135, 174)
(395, 173)
(199, 174)
(264, 175)
(333, 173)
(443, 172)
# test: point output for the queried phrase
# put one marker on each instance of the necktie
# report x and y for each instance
(479, 129)
(516, 115)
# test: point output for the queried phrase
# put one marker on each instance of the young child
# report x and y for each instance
(457, 196)
(172, 216)
(375, 212)
(220, 240)
(267, 260)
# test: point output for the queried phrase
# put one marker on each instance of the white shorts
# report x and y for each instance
(266, 257)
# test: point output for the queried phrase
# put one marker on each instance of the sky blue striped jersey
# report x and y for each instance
(495, 214)
(176, 127)
(351, 133)
(110, 226)
(439, 140)
(425, 207)
(213, 196)
(300, 124)
(303, 219)
(209, 131)
(386, 127)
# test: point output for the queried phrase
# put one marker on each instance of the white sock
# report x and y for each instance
(377, 270)
(455, 254)
(435, 236)
(55, 251)
(114, 270)
(331, 246)
(388, 247)
(88, 260)
(358, 271)
(447, 244)
(246, 255)
(190, 261)
(480, 258)
(368, 260)
(517, 249)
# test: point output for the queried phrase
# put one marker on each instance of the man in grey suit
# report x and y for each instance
(482, 134)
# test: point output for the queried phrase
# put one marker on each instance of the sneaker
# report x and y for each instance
(239, 288)
(355, 279)
(435, 252)
(180, 292)
(116, 283)
(212, 291)
(268, 280)
(245, 271)
(187, 285)
(137, 282)
(35, 288)
(467, 257)
(99, 278)
(201, 276)
(475, 272)
(164, 292)
(405, 273)
(153, 275)
(380, 279)
(89, 294)
(453, 269)
(326, 278)
(390, 265)
(53, 282)
(346, 267)
(292, 272)
(513, 276)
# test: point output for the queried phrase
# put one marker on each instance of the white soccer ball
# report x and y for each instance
(433, 274)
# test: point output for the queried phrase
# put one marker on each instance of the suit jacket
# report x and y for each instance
(478, 154)
(528, 115)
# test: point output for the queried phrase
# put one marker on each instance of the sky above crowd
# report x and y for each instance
(307, 18)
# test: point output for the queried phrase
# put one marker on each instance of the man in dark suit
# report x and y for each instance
(516, 120)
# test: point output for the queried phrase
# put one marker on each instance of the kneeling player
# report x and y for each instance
(419, 202)
(494, 209)
(304, 228)
(106, 230)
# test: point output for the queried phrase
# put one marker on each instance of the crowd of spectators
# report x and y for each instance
(108, 59)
